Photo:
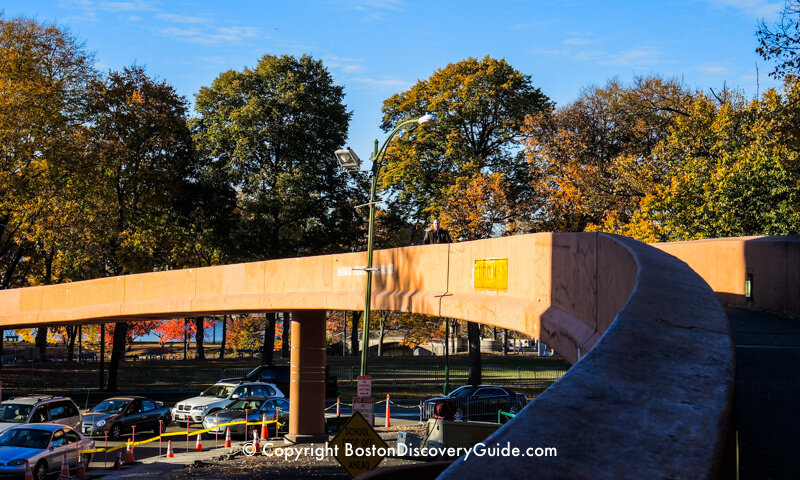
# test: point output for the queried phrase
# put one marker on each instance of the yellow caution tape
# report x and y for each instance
(175, 434)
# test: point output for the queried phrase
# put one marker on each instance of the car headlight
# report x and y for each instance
(16, 463)
(201, 409)
(100, 423)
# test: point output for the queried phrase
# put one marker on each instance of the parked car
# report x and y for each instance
(476, 402)
(43, 445)
(118, 415)
(250, 408)
(280, 376)
(217, 397)
(39, 409)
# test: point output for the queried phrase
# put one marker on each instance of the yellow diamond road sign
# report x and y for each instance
(359, 448)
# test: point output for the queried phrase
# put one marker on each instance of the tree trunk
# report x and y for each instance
(268, 350)
(382, 333)
(199, 338)
(41, 343)
(117, 352)
(185, 338)
(344, 334)
(224, 336)
(72, 335)
(354, 334)
(286, 334)
(102, 355)
(474, 339)
(505, 341)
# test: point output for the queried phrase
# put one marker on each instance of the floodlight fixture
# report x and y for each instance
(348, 159)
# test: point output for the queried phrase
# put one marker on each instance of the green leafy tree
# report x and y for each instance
(271, 132)
(143, 155)
(482, 106)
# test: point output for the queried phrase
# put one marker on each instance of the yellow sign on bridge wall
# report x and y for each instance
(491, 274)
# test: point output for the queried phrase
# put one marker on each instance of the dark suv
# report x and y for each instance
(280, 376)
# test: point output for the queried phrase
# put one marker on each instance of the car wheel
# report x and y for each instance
(116, 432)
(40, 471)
(86, 458)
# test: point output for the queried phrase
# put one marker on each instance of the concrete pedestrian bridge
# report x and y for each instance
(651, 391)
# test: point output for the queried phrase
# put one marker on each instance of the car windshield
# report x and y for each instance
(111, 406)
(464, 391)
(219, 391)
(14, 412)
(25, 437)
(245, 404)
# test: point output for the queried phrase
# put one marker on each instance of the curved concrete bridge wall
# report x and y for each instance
(651, 398)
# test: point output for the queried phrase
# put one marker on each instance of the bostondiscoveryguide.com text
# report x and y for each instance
(293, 453)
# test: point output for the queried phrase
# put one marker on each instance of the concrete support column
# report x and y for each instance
(307, 382)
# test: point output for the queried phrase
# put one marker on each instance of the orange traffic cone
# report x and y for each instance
(170, 453)
(228, 438)
(80, 470)
(256, 444)
(264, 433)
(129, 454)
(28, 473)
(118, 461)
(64, 469)
(198, 447)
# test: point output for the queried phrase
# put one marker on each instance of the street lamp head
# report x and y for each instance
(348, 159)
(428, 120)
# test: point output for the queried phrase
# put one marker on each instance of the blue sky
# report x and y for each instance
(376, 48)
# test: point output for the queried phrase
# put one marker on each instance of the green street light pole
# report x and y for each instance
(425, 120)
(350, 161)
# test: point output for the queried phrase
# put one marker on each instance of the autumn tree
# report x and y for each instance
(482, 106)
(476, 207)
(596, 155)
(246, 332)
(736, 172)
(271, 132)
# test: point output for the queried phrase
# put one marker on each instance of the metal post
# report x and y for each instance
(446, 356)
(376, 166)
